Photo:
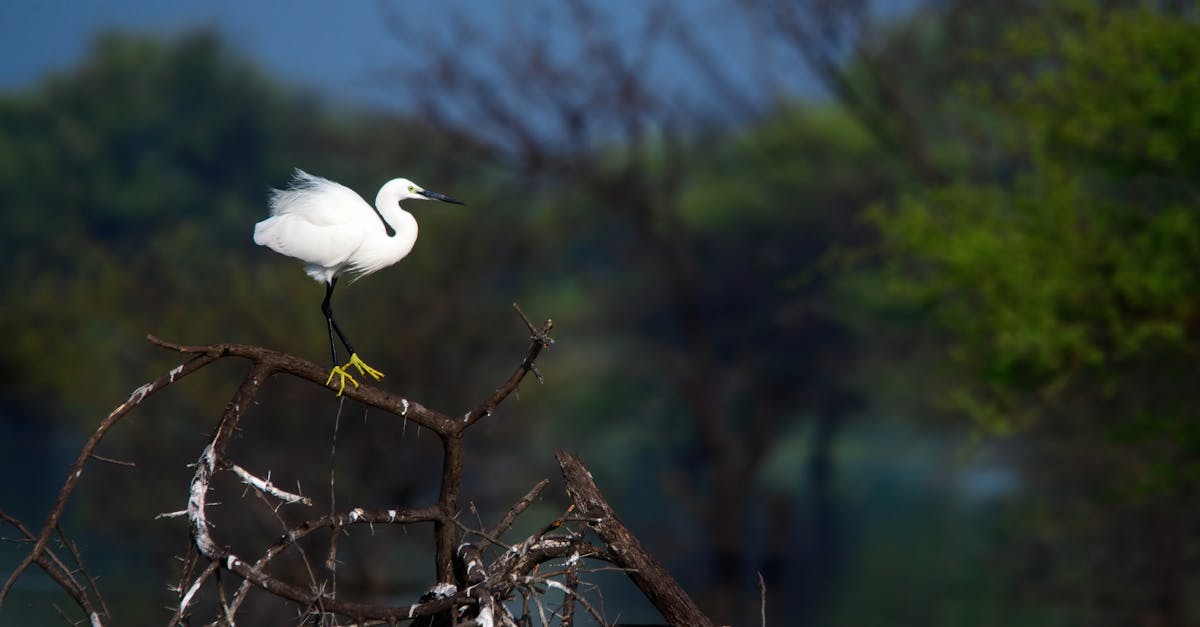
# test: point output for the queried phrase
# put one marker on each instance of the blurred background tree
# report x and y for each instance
(919, 348)
(1066, 284)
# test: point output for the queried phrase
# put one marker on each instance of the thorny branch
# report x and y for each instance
(64, 576)
(470, 590)
(645, 571)
(76, 471)
(517, 508)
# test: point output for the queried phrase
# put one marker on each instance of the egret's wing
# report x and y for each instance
(321, 202)
(325, 245)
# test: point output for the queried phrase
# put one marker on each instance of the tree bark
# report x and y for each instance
(646, 572)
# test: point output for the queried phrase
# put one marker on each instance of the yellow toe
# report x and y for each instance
(363, 368)
(340, 372)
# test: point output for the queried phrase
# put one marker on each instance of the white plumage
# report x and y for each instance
(333, 231)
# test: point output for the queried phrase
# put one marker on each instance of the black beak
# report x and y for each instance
(442, 197)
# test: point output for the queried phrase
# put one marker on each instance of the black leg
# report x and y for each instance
(327, 309)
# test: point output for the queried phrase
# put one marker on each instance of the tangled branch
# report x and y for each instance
(473, 580)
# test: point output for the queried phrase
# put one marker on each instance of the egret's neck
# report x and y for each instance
(394, 217)
(384, 212)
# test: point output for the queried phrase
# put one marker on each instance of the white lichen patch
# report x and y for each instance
(444, 590)
(486, 618)
(139, 394)
(187, 598)
(265, 485)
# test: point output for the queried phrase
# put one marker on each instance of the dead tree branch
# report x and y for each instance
(469, 590)
(62, 575)
(627, 552)
(517, 508)
(89, 447)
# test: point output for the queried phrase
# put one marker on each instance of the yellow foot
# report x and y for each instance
(363, 368)
(340, 371)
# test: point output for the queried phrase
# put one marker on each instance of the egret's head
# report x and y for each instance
(397, 190)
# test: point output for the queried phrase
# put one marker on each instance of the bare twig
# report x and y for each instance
(331, 556)
(109, 460)
(357, 516)
(312, 575)
(762, 599)
(58, 571)
(185, 576)
(570, 593)
(452, 450)
(74, 550)
(190, 593)
(540, 339)
(519, 507)
(265, 485)
(488, 538)
(76, 471)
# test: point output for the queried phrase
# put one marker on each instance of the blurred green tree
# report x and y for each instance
(114, 174)
(1067, 280)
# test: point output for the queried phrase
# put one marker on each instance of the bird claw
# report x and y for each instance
(363, 368)
(340, 371)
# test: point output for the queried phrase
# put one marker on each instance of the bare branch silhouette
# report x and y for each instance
(627, 552)
(470, 588)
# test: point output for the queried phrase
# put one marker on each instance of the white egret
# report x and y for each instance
(334, 231)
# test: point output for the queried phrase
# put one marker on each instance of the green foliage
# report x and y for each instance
(1087, 260)
(1113, 91)
(148, 155)
(792, 169)
(1065, 279)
